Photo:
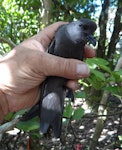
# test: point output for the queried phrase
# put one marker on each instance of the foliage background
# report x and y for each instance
(21, 19)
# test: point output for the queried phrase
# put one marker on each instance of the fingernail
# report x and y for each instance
(82, 70)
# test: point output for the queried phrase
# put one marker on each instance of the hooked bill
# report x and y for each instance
(91, 39)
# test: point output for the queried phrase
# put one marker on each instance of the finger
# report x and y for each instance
(73, 84)
(89, 52)
(51, 29)
(68, 68)
(47, 34)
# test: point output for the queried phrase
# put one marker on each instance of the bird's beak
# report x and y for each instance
(91, 39)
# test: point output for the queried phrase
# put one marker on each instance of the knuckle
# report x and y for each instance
(69, 69)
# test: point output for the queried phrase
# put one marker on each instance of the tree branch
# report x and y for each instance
(9, 42)
(116, 31)
(102, 25)
(119, 64)
(46, 11)
(7, 126)
(100, 121)
(107, 115)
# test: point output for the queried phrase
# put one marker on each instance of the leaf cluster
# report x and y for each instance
(103, 78)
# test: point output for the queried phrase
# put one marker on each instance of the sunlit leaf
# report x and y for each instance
(97, 61)
(120, 137)
(20, 113)
(98, 74)
(96, 82)
(105, 68)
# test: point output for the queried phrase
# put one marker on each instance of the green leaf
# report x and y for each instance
(119, 72)
(36, 134)
(95, 82)
(113, 89)
(91, 64)
(120, 137)
(9, 116)
(78, 113)
(20, 113)
(97, 61)
(68, 111)
(98, 74)
(80, 94)
(117, 76)
(105, 68)
(29, 125)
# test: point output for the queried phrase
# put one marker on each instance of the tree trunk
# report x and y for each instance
(115, 34)
(119, 64)
(46, 12)
(102, 25)
(100, 121)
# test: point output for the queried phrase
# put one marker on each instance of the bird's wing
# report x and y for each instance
(33, 112)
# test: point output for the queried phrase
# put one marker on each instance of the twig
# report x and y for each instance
(95, 115)
(9, 42)
(8, 126)
(109, 146)
(119, 64)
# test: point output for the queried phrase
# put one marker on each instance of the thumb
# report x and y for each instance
(64, 67)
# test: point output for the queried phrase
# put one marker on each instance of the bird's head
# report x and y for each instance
(82, 31)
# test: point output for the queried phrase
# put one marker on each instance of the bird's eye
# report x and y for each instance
(81, 24)
(84, 26)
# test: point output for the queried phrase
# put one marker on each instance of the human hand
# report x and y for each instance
(26, 67)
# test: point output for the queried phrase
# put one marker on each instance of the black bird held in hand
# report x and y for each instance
(68, 42)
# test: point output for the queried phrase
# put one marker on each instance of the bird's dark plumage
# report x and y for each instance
(69, 42)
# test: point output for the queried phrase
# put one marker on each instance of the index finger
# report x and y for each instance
(47, 34)
(89, 52)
